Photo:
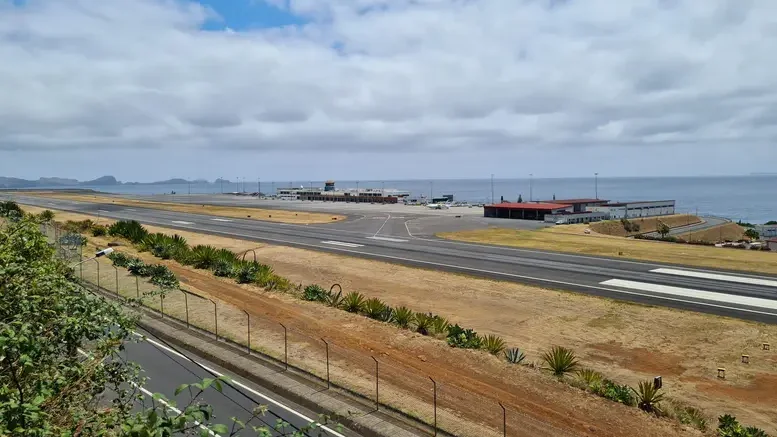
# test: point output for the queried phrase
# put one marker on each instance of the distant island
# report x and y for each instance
(55, 182)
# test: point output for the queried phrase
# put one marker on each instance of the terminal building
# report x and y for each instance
(330, 194)
(569, 211)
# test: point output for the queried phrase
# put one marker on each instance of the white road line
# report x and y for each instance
(221, 220)
(179, 222)
(381, 226)
(716, 277)
(247, 388)
(395, 240)
(692, 293)
(160, 400)
(102, 210)
(342, 243)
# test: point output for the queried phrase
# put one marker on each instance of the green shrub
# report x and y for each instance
(276, 282)
(10, 209)
(163, 277)
(648, 397)
(514, 355)
(99, 230)
(46, 216)
(590, 378)
(353, 302)
(728, 426)
(245, 272)
(687, 415)
(440, 325)
(79, 226)
(403, 316)
(264, 274)
(119, 259)
(138, 268)
(616, 392)
(463, 338)
(203, 257)
(423, 323)
(129, 229)
(72, 240)
(314, 293)
(560, 360)
(223, 268)
(493, 344)
(334, 300)
(374, 308)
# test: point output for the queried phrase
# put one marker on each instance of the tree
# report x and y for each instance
(520, 199)
(663, 229)
(771, 222)
(48, 324)
(46, 216)
(752, 234)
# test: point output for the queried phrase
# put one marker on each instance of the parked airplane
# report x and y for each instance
(438, 205)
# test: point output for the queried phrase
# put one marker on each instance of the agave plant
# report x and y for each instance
(203, 257)
(649, 397)
(264, 275)
(591, 378)
(314, 293)
(560, 360)
(374, 308)
(353, 302)
(403, 316)
(245, 271)
(493, 344)
(334, 300)
(278, 283)
(514, 355)
(423, 323)
(138, 268)
(440, 325)
(463, 338)
(129, 229)
(223, 267)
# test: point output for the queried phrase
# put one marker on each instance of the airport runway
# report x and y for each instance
(406, 239)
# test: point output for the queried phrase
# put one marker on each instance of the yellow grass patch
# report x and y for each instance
(648, 224)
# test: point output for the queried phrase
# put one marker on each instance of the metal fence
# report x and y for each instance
(443, 405)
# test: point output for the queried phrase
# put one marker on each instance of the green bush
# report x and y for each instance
(440, 326)
(223, 268)
(10, 209)
(493, 344)
(138, 268)
(687, 415)
(279, 283)
(163, 277)
(79, 226)
(648, 397)
(46, 216)
(463, 338)
(615, 392)
(560, 360)
(423, 323)
(728, 426)
(129, 229)
(353, 302)
(203, 257)
(403, 316)
(264, 274)
(72, 240)
(245, 272)
(120, 259)
(334, 300)
(99, 230)
(375, 308)
(315, 293)
(590, 378)
(514, 355)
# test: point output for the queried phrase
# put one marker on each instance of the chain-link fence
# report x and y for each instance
(381, 381)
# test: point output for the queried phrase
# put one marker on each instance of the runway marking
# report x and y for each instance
(395, 240)
(377, 218)
(245, 387)
(221, 220)
(716, 277)
(341, 243)
(179, 222)
(102, 210)
(692, 293)
(381, 226)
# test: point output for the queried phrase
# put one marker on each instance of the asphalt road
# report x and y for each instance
(405, 239)
(166, 369)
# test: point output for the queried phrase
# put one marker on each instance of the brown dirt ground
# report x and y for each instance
(270, 215)
(649, 224)
(727, 232)
(626, 342)
(572, 239)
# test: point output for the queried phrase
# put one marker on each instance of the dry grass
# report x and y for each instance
(627, 342)
(727, 232)
(649, 224)
(270, 215)
(572, 240)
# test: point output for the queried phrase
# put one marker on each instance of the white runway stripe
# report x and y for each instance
(692, 293)
(221, 220)
(178, 222)
(395, 240)
(341, 243)
(716, 277)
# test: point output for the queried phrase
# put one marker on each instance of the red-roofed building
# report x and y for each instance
(579, 205)
(525, 211)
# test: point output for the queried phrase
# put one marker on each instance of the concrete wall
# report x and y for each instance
(636, 210)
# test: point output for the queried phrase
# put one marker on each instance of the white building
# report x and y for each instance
(617, 211)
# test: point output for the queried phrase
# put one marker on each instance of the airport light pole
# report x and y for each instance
(221, 179)
(492, 188)
(431, 191)
(596, 185)
(531, 187)
(258, 186)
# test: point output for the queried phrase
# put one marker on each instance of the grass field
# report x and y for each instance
(649, 224)
(270, 215)
(572, 239)
(727, 232)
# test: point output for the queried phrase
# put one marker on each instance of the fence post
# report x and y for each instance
(117, 280)
(285, 348)
(98, 273)
(435, 404)
(504, 420)
(137, 287)
(215, 317)
(162, 302)
(186, 304)
(328, 384)
(248, 319)
(377, 393)
(81, 258)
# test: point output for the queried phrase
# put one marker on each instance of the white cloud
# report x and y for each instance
(405, 75)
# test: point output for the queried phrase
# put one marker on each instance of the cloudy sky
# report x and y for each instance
(386, 89)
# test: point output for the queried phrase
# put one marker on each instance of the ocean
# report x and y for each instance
(747, 198)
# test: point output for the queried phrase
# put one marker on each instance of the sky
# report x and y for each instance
(386, 89)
